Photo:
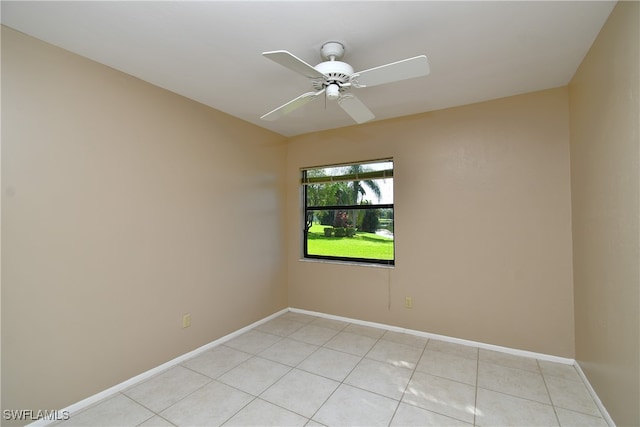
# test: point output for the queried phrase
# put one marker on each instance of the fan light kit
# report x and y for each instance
(335, 79)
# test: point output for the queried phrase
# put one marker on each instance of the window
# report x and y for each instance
(348, 211)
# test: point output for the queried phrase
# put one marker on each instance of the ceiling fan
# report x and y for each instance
(335, 79)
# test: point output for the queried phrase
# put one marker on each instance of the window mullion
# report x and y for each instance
(348, 207)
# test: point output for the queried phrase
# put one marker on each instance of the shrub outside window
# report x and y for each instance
(348, 212)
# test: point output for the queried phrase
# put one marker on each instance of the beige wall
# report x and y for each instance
(605, 185)
(119, 215)
(483, 231)
(124, 206)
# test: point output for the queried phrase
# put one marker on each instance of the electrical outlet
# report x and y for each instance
(186, 320)
(408, 302)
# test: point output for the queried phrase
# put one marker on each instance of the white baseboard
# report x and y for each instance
(599, 404)
(508, 350)
(524, 353)
(84, 403)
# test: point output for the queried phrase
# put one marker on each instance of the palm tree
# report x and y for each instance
(358, 190)
(356, 186)
(340, 193)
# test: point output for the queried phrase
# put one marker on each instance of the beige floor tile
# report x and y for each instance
(453, 348)
(280, 326)
(262, 413)
(298, 317)
(117, 410)
(253, 341)
(379, 377)
(568, 372)
(338, 325)
(509, 360)
(315, 335)
(367, 331)
(400, 355)
(514, 381)
(165, 389)
(448, 366)
(156, 421)
(440, 395)
(254, 375)
(412, 416)
(300, 392)
(497, 409)
(347, 342)
(575, 419)
(407, 339)
(216, 361)
(330, 363)
(289, 352)
(210, 405)
(350, 406)
(572, 395)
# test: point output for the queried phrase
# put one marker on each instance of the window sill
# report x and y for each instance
(354, 264)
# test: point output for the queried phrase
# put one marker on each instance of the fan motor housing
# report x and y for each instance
(336, 72)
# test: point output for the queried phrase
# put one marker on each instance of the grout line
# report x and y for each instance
(174, 403)
(281, 407)
(546, 387)
(524, 398)
(475, 400)
(330, 394)
(361, 359)
(346, 376)
(137, 403)
(415, 368)
(238, 411)
(253, 356)
(163, 418)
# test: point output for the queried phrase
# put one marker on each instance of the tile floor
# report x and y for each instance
(300, 370)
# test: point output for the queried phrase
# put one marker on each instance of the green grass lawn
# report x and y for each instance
(362, 245)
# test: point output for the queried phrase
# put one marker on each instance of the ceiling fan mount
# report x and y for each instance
(335, 79)
(330, 51)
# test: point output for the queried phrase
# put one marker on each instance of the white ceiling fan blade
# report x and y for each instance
(417, 66)
(355, 108)
(294, 104)
(294, 63)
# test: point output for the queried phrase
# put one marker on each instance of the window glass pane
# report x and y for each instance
(349, 212)
(372, 238)
(368, 191)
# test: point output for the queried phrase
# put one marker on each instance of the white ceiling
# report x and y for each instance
(210, 51)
